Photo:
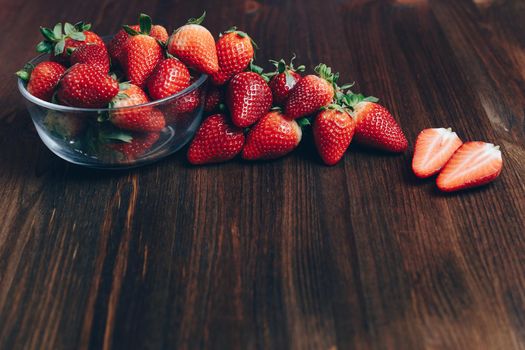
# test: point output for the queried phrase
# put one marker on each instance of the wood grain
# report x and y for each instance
(288, 254)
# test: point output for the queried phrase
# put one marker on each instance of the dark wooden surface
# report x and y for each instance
(288, 254)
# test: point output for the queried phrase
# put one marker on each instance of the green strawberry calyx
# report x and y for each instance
(337, 107)
(302, 122)
(325, 72)
(25, 73)
(258, 69)
(282, 67)
(350, 100)
(145, 25)
(55, 39)
(241, 34)
(121, 96)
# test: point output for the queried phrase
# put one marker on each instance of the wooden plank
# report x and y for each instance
(289, 253)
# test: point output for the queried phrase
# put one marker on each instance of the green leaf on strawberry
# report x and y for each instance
(57, 30)
(59, 47)
(69, 28)
(49, 34)
(78, 36)
(144, 23)
(44, 46)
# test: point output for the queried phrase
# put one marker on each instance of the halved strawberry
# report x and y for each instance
(474, 164)
(433, 149)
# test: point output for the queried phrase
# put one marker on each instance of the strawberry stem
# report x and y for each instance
(197, 20)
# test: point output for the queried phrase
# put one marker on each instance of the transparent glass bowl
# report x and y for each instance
(84, 136)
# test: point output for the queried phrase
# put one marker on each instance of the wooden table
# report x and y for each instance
(289, 253)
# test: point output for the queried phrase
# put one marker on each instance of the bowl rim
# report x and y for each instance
(62, 108)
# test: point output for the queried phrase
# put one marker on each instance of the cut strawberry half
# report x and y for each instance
(474, 164)
(433, 149)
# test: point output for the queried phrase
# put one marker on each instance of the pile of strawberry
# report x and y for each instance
(140, 64)
(253, 114)
(268, 111)
(265, 112)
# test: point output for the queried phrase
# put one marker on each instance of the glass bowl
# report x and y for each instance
(84, 136)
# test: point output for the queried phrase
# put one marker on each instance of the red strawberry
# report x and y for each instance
(86, 86)
(95, 55)
(194, 45)
(248, 97)
(59, 40)
(186, 103)
(169, 77)
(283, 80)
(129, 95)
(156, 31)
(377, 128)
(42, 79)
(139, 144)
(217, 140)
(274, 136)
(141, 119)
(117, 43)
(214, 97)
(311, 93)
(234, 53)
(160, 33)
(66, 126)
(333, 130)
(474, 164)
(139, 57)
(433, 149)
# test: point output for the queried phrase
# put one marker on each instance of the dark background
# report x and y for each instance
(288, 253)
